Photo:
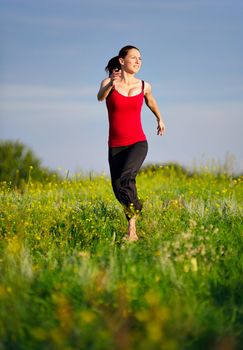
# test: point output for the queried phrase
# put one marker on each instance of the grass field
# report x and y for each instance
(68, 281)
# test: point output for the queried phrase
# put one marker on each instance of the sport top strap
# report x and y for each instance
(142, 85)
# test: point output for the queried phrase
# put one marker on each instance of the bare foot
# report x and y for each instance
(130, 239)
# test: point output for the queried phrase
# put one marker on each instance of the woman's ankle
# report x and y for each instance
(132, 227)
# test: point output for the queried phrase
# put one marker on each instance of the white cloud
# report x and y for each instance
(40, 91)
(227, 88)
(43, 19)
(45, 102)
(70, 23)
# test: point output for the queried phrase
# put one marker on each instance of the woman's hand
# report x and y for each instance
(160, 128)
(115, 75)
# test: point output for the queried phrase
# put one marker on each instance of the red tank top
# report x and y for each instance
(124, 113)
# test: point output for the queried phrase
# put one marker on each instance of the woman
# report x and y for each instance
(124, 94)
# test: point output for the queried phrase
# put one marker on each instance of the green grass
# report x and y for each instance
(67, 280)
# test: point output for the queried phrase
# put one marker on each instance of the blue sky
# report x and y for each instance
(53, 55)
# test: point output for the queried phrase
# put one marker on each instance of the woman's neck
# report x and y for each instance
(127, 78)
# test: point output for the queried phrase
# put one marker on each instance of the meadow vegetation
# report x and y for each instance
(68, 280)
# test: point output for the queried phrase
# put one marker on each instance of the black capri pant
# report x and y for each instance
(125, 163)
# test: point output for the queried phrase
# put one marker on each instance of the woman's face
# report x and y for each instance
(132, 61)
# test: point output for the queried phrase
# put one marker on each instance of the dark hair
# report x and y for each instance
(124, 51)
(113, 64)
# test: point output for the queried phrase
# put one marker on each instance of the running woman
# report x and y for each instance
(128, 147)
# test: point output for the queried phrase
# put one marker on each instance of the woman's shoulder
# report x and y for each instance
(147, 87)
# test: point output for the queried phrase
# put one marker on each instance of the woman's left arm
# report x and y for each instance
(153, 106)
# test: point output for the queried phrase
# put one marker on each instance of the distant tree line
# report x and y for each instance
(166, 167)
(19, 165)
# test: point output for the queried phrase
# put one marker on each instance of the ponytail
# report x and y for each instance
(113, 64)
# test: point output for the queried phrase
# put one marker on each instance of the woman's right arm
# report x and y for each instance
(105, 88)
